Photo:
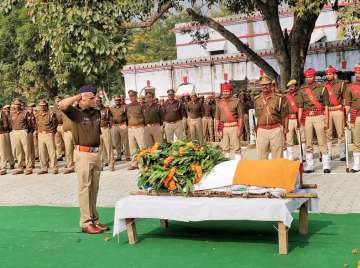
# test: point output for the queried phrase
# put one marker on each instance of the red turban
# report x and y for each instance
(226, 86)
(310, 72)
(330, 70)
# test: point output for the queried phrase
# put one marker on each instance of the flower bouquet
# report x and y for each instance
(176, 166)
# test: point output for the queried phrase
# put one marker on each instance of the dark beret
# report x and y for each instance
(87, 88)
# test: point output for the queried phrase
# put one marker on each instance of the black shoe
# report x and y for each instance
(354, 171)
(309, 171)
(327, 171)
(343, 159)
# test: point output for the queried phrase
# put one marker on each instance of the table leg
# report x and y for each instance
(303, 218)
(164, 223)
(131, 231)
(283, 238)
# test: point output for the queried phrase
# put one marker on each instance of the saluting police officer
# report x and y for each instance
(271, 114)
(86, 133)
(195, 111)
(46, 124)
(313, 104)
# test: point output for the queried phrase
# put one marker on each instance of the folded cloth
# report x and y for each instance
(277, 173)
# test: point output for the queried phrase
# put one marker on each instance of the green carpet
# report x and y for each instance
(49, 237)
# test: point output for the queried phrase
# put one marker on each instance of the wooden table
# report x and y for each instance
(282, 229)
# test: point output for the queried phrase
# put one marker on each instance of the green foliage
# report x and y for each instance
(349, 17)
(158, 161)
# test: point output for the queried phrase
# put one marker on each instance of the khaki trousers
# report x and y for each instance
(153, 134)
(230, 140)
(22, 148)
(12, 143)
(270, 141)
(136, 139)
(290, 136)
(175, 128)
(356, 135)
(121, 139)
(107, 154)
(47, 151)
(32, 147)
(317, 123)
(69, 149)
(208, 127)
(196, 129)
(59, 141)
(87, 167)
(5, 151)
(36, 144)
(336, 119)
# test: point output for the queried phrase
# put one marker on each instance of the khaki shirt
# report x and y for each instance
(234, 106)
(351, 98)
(85, 125)
(270, 110)
(119, 114)
(209, 109)
(338, 87)
(152, 113)
(20, 120)
(67, 123)
(319, 92)
(135, 115)
(46, 122)
(289, 106)
(194, 109)
(4, 123)
(173, 111)
(58, 114)
(106, 117)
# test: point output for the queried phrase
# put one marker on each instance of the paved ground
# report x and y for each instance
(339, 191)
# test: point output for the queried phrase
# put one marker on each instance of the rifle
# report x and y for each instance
(255, 128)
(346, 130)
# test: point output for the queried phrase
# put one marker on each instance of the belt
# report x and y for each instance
(119, 124)
(336, 108)
(231, 124)
(45, 132)
(87, 149)
(152, 124)
(353, 115)
(136, 126)
(292, 116)
(174, 122)
(269, 126)
(313, 112)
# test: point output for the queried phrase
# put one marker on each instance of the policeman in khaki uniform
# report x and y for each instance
(136, 129)
(174, 113)
(352, 104)
(229, 113)
(336, 90)
(33, 139)
(153, 118)
(86, 131)
(293, 122)
(9, 138)
(105, 138)
(195, 111)
(120, 129)
(4, 147)
(59, 137)
(208, 119)
(270, 111)
(21, 124)
(313, 104)
(46, 124)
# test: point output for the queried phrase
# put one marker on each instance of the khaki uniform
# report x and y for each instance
(120, 131)
(270, 112)
(5, 147)
(195, 111)
(336, 91)
(106, 149)
(21, 122)
(352, 100)
(32, 140)
(59, 136)
(46, 123)
(229, 112)
(208, 121)
(86, 134)
(153, 122)
(136, 130)
(173, 113)
(314, 118)
(69, 142)
(293, 125)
